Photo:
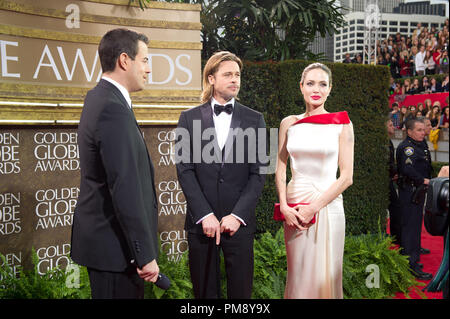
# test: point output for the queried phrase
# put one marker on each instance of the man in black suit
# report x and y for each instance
(114, 232)
(395, 222)
(221, 176)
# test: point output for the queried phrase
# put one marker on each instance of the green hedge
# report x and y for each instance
(273, 89)
(268, 281)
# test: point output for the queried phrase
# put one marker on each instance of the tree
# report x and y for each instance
(260, 30)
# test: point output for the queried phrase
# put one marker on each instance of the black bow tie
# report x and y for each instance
(220, 108)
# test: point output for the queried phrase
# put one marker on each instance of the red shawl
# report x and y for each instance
(328, 118)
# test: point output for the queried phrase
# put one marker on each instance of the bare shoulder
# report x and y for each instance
(348, 126)
(288, 121)
(347, 132)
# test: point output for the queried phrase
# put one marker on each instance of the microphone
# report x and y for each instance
(162, 282)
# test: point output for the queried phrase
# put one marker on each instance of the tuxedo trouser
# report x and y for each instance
(411, 230)
(204, 265)
(116, 285)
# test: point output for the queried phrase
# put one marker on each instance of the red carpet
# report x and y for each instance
(431, 263)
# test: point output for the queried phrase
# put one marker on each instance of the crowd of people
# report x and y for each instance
(413, 62)
(434, 112)
(411, 86)
(422, 53)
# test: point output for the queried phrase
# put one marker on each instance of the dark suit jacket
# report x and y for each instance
(115, 219)
(221, 187)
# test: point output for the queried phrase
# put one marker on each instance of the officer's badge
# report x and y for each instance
(409, 151)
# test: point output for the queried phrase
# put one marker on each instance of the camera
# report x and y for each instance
(436, 206)
(436, 223)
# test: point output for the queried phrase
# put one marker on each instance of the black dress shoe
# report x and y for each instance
(419, 274)
(424, 251)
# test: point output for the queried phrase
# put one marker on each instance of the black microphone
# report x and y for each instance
(162, 282)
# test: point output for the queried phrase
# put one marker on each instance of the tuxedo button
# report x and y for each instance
(221, 180)
(137, 247)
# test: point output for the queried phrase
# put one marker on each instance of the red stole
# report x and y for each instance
(328, 118)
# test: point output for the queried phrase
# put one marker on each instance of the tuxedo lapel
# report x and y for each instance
(121, 98)
(208, 123)
(207, 115)
(152, 170)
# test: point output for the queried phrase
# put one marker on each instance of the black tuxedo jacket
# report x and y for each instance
(232, 183)
(115, 219)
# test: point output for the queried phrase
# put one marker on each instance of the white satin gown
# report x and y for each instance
(314, 256)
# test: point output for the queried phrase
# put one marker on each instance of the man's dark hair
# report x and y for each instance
(116, 42)
(423, 119)
(411, 123)
(388, 118)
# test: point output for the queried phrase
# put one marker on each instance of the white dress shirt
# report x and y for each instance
(222, 123)
(121, 88)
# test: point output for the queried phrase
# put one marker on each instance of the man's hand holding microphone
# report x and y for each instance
(150, 273)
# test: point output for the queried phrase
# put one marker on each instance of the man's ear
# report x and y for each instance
(211, 79)
(123, 61)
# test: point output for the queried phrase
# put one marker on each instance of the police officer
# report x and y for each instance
(414, 168)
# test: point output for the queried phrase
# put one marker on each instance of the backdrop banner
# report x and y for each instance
(40, 179)
(48, 62)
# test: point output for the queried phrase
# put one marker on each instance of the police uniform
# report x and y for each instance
(414, 165)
